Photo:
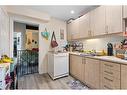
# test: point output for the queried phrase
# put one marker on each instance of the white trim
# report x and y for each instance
(12, 20)
(11, 36)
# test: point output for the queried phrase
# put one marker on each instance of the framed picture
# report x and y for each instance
(62, 34)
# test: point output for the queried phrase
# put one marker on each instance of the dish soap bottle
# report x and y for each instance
(125, 55)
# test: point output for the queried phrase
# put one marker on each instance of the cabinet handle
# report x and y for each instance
(109, 72)
(83, 61)
(106, 29)
(107, 87)
(91, 33)
(108, 79)
(88, 32)
(108, 65)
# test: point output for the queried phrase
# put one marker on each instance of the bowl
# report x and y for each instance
(120, 56)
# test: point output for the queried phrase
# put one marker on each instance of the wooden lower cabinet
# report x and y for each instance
(87, 70)
(92, 73)
(109, 75)
(76, 66)
(98, 74)
(123, 76)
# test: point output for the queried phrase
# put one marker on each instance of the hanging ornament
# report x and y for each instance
(45, 34)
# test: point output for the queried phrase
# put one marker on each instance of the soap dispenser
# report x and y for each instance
(125, 55)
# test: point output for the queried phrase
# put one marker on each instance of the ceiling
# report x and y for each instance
(62, 11)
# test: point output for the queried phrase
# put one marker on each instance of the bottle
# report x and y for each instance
(125, 55)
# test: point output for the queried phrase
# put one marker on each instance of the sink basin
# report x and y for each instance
(85, 54)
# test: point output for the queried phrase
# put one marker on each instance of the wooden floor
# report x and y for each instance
(36, 81)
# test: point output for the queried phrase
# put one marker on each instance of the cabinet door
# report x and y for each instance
(113, 19)
(76, 66)
(123, 77)
(72, 65)
(97, 21)
(69, 31)
(92, 72)
(75, 29)
(125, 11)
(84, 26)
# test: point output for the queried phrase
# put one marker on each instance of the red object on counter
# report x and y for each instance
(35, 49)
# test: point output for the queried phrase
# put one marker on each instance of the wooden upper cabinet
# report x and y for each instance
(106, 20)
(100, 21)
(125, 11)
(69, 31)
(97, 21)
(75, 29)
(84, 26)
(113, 19)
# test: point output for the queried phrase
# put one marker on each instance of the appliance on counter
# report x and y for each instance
(77, 46)
(58, 64)
(110, 49)
(124, 44)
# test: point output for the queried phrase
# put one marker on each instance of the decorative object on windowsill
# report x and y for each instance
(45, 34)
(35, 42)
(32, 40)
(53, 40)
(29, 42)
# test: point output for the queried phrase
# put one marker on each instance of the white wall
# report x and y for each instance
(44, 45)
(4, 33)
(101, 43)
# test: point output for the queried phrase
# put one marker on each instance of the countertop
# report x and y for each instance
(103, 58)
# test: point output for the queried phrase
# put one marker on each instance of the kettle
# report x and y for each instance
(110, 49)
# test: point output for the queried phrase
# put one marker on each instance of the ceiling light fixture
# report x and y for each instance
(72, 12)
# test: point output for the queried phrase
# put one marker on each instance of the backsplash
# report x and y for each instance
(101, 43)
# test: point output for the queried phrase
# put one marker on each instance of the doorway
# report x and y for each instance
(26, 48)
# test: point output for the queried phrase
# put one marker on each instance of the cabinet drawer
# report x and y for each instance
(108, 82)
(110, 65)
(108, 86)
(110, 72)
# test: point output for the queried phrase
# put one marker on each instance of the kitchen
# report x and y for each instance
(101, 71)
(90, 49)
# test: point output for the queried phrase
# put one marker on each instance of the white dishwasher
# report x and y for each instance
(58, 65)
